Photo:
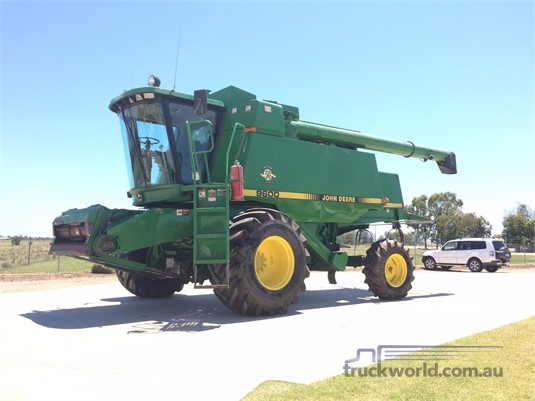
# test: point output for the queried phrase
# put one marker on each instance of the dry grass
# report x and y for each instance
(31, 256)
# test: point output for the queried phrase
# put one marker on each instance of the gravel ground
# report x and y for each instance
(49, 281)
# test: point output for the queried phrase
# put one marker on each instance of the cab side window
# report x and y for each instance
(450, 246)
(478, 245)
(464, 246)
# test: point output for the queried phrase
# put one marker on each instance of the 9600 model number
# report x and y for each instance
(262, 193)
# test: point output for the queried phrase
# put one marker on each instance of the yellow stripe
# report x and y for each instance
(271, 194)
(296, 195)
(371, 200)
(281, 194)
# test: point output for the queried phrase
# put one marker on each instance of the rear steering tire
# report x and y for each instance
(268, 264)
(388, 269)
(148, 287)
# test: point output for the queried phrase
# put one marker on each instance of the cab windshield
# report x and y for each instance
(156, 142)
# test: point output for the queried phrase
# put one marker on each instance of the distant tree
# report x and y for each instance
(444, 207)
(519, 225)
(444, 203)
(411, 237)
(441, 209)
(16, 240)
(348, 239)
(419, 207)
(365, 237)
(461, 225)
(393, 234)
(471, 225)
(444, 228)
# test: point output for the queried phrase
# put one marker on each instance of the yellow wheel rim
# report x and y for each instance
(396, 270)
(274, 263)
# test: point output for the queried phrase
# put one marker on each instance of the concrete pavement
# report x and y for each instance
(100, 342)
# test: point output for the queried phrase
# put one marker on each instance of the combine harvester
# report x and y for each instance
(241, 193)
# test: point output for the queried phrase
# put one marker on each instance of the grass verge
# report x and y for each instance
(515, 358)
(522, 258)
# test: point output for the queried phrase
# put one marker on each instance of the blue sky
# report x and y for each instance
(453, 75)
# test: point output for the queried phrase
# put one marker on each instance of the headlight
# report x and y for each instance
(154, 81)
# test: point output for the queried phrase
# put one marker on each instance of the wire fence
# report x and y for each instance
(32, 255)
(520, 247)
(24, 252)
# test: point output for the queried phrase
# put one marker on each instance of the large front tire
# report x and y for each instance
(268, 264)
(148, 287)
(388, 269)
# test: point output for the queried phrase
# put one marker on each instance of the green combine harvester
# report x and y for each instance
(239, 195)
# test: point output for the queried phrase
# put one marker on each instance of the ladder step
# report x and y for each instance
(211, 261)
(211, 226)
(207, 209)
(224, 285)
(212, 236)
(208, 286)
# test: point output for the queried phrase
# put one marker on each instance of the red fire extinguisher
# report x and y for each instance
(236, 178)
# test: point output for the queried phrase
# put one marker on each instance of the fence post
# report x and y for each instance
(30, 250)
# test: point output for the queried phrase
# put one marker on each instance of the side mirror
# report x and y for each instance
(200, 101)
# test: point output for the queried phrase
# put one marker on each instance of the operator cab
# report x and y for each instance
(163, 132)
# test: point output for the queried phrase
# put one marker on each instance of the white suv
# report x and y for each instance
(476, 253)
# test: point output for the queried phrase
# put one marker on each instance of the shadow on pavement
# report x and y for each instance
(464, 270)
(189, 313)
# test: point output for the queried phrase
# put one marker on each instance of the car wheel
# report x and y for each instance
(429, 263)
(475, 265)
